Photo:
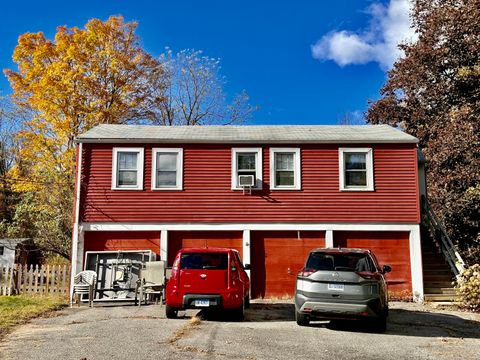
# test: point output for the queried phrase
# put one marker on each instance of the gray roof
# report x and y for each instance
(274, 134)
(11, 243)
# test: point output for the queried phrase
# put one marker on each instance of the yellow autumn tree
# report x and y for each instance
(84, 77)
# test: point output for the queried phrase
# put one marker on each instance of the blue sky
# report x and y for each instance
(302, 62)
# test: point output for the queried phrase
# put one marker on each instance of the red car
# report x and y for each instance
(208, 278)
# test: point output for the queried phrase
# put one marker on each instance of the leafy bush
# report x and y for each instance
(468, 288)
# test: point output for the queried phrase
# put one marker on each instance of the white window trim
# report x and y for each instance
(140, 161)
(179, 152)
(297, 171)
(369, 164)
(259, 169)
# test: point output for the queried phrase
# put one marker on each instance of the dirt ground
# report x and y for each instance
(269, 332)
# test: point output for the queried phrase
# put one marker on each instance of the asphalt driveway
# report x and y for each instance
(269, 332)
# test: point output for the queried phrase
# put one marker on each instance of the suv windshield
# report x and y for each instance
(340, 261)
(213, 261)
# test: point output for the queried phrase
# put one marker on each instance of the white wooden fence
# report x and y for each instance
(35, 280)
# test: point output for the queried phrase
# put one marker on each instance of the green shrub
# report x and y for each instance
(468, 288)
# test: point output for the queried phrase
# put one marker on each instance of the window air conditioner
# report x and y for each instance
(246, 180)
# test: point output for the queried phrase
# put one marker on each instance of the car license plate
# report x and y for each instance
(202, 303)
(336, 287)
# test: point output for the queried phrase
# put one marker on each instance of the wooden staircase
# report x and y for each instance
(437, 276)
(441, 259)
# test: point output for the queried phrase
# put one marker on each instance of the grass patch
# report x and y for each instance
(16, 310)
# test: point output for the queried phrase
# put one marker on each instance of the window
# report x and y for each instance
(199, 261)
(285, 169)
(247, 161)
(127, 169)
(167, 170)
(2, 250)
(356, 169)
(357, 262)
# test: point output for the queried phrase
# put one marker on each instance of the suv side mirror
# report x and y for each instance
(387, 269)
(247, 266)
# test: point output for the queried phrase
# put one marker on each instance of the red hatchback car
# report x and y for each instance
(208, 278)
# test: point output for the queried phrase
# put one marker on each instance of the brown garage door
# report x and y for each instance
(276, 257)
(390, 247)
(188, 239)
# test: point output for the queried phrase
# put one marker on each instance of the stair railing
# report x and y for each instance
(441, 238)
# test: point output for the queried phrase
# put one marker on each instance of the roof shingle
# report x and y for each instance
(274, 134)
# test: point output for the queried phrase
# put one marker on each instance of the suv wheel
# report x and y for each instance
(302, 319)
(380, 324)
(247, 302)
(171, 312)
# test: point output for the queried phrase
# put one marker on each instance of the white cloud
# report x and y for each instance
(389, 25)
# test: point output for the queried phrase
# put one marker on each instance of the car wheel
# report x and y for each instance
(302, 319)
(247, 302)
(171, 312)
(238, 313)
(380, 324)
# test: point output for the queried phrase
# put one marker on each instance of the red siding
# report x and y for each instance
(122, 240)
(207, 194)
(188, 239)
(390, 247)
(277, 256)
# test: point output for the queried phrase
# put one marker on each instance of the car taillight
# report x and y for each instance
(306, 272)
(173, 274)
(175, 267)
(368, 275)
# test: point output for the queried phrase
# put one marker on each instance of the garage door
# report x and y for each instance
(188, 239)
(276, 257)
(122, 240)
(390, 247)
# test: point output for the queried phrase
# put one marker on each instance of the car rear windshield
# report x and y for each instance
(213, 261)
(340, 262)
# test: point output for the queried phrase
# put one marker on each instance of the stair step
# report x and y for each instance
(436, 276)
(434, 261)
(444, 291)
(432, 265)
(438, 258)
(437, 284)
(428, 270)
(431, 253)
(438, 297)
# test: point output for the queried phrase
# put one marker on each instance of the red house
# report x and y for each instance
(163, 188)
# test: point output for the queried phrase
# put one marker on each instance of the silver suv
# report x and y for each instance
(342, 284)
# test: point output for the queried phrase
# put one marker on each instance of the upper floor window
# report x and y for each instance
(247, 161)
(285, 172)
(2, 250)
(356, 169)
(127, 170)
(167, 169)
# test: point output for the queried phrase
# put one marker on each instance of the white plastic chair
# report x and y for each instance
(84, 283)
